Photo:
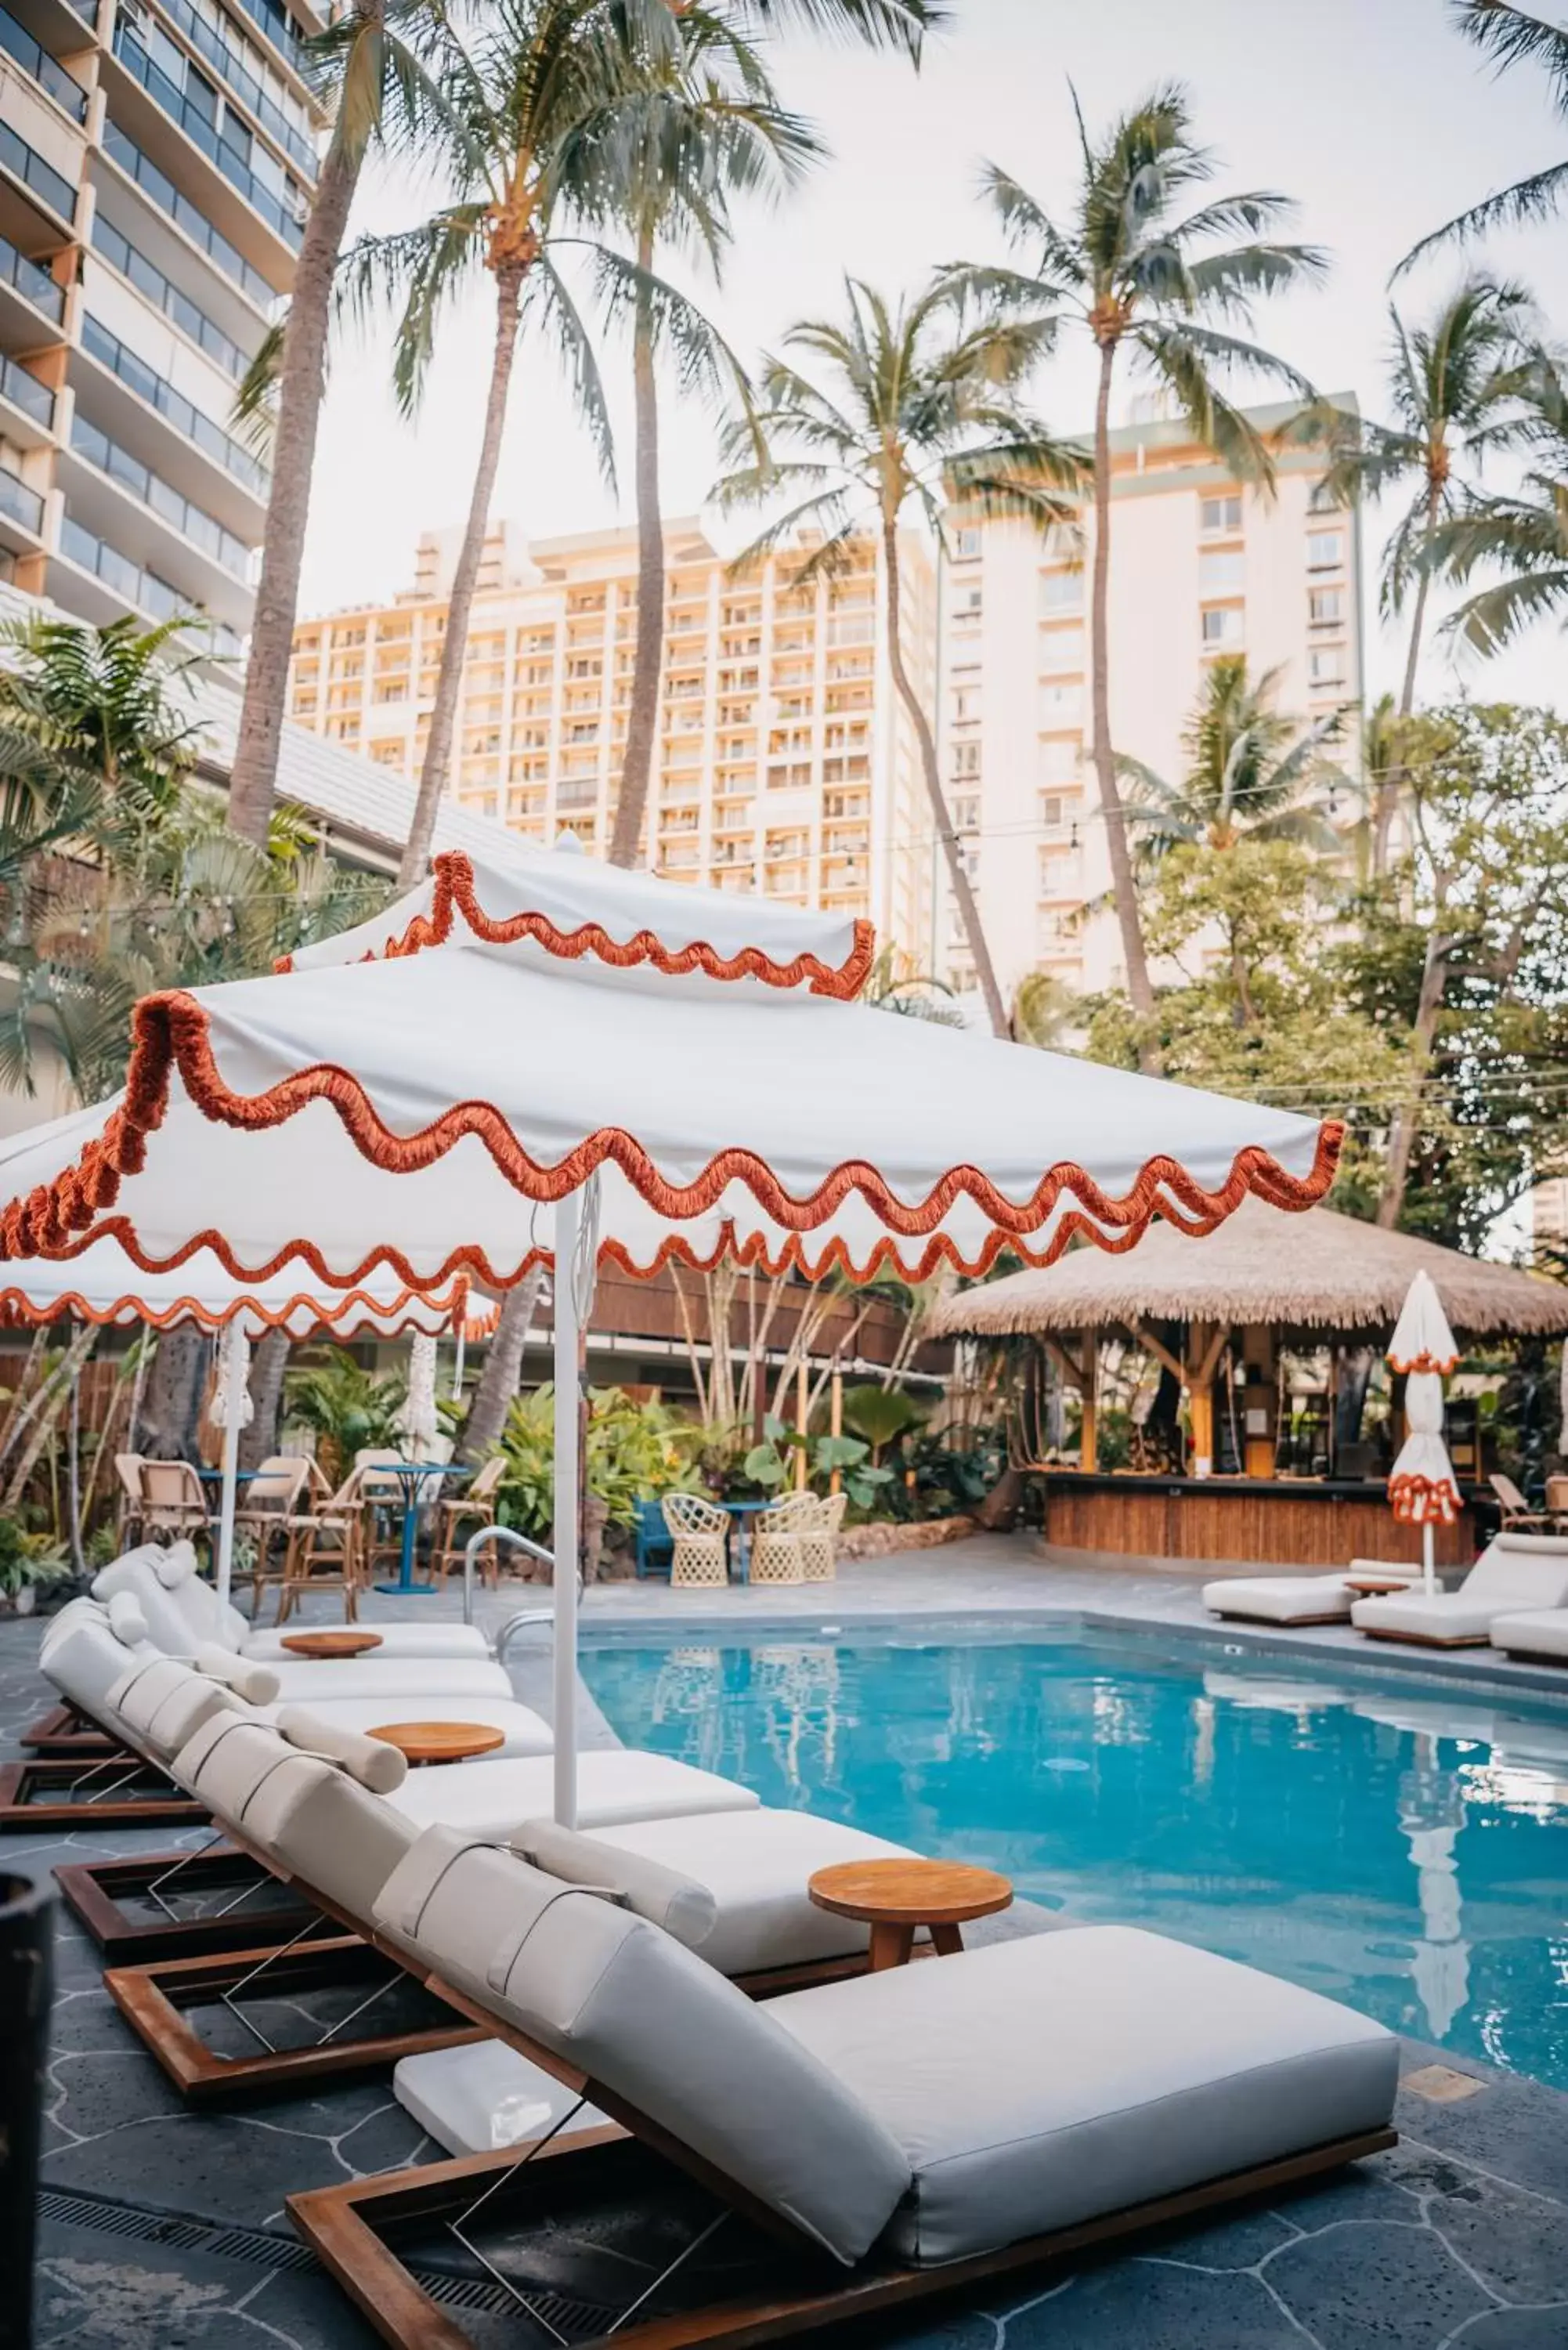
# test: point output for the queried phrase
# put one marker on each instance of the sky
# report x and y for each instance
(1374, 115)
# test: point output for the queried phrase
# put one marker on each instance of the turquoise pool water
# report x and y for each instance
(1394, 1845)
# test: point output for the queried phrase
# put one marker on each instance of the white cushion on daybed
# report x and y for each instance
(183, 1613)
(1515, 1572)
(1535, 1632)
(619, 1784)
(747, 1870)
(1278, 1599)
(164, 1703)
(1034, 2084)
(399, 1642)
(85, 1660)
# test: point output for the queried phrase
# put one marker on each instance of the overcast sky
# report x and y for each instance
(1372, 114)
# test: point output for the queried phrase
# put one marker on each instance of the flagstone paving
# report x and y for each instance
(164, 2230)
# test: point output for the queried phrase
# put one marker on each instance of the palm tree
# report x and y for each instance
(374, 61)
(726, 135)
(1452, 384)
(1509, 37)
(922, 408)
(1138, 275)
(1523, 534)
(1252, 773)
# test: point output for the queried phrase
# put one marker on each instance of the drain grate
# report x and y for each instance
(257, 2248)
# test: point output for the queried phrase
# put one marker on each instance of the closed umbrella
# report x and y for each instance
(563, 1063)
(1422, 1486)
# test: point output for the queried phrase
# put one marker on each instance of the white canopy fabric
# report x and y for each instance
(562, 1056)
(423, 1113)
(1422, 1340)
(1422, 1487)
(104, 1286)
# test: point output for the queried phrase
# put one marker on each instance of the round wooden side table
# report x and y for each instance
(330, 1644)
(440, 1742)
(894, 1896)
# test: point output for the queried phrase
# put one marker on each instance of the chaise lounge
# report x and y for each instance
(183, 1613)
(1515, 1573)
(1294, 1598)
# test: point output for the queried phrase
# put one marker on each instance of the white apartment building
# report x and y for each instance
(1200, 568)
(156, 160)
(784, 762)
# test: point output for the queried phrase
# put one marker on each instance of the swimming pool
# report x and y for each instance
(1390, 1843)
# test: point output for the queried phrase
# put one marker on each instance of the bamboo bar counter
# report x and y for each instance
(1269, 1521)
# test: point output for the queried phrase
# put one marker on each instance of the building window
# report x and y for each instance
(1061, 759)
(1326, 607)
(1325, 550)
(1056, 811)
(969, 604)
(966, 544)
(1062, 704)
(1323, 499)
(1060, 650)
(1221, 571)
(1221, 626)
(966, 759)
(1061, 591)
(1219, 518)
(966, 813)
(1326, 666)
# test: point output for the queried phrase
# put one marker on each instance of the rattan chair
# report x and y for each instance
(698, 1529)
(128, 1473)
(272, 1499)
(470, 1507)
(172, 1502)
(819, 1539)
(326, 1548)
(776, 1540)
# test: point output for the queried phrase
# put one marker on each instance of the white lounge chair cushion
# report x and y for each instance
(85, 1660)
(1447, 1615)
(608, 1991)
(306, 1681)
(1535, 1632)
(1278, 1599)
(670, 1899)
(126, 1620)
(1035, 2083)
(750, 1869)
(619, 1783)
(161, 1705)
(1514, 1572)
(254, 1683)
(522, 1732)
(399, 1643)
(371, 1760)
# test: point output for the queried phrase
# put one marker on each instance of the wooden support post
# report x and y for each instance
(1259, 1400)
(801, 1414)
(1089, 1394)
(1201, 1400)
(836, 1417)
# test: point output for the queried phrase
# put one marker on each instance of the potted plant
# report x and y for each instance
(29, 1562)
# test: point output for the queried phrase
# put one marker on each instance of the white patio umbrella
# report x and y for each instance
(1422, 1486)
(560, 1062)
(104, 1285)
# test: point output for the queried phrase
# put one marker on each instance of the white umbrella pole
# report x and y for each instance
(1427, 1567)
(457, 1367)
(568, 1220)
(228, 1349)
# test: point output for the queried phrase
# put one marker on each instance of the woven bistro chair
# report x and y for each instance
(127, 1474)
(326, 1548)
(776, 1555)
(271, 1500)
(698, 1529)
(172, 1502)
(819, 1540)
(471, 1507)
(380, 1500)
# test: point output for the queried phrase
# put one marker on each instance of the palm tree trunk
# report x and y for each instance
(172, 1403)
(301, 383)
(1388, 786)
(259, 1441)
(642, 719)
(969, 912)
(437, 766)
(1406, 1117)
(1123, 887)
(502, 1369)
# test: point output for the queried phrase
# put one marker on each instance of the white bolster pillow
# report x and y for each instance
(121, 1573)
(257, 1684)
(126, 1620)
(681, 1905)
(175, 1566)
(374, 1763)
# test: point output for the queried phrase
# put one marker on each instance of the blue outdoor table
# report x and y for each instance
(410, 1475)
(740, 1511)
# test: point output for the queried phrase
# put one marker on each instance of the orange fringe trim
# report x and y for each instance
(1421, 1502)
(1424, 1362)
(353, 1306)
(455, 894)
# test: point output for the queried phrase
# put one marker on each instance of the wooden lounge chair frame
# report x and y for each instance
(66, 1732)
(25, 1789)
(96, 1891)
(342, 2225)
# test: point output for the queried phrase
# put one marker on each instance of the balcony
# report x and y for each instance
(187, 419)
(128, 474)
(259, 220)
(128, 584)
(227, 61)
(165, 296)
(19, 506)
(33, 399)
(46, 71)
(33, 282)
(51, 187)
(160, 190)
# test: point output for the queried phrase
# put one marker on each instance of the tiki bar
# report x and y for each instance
(1229, 1400)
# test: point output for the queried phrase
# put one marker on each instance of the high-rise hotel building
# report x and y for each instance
(784, 760)
(156, 160)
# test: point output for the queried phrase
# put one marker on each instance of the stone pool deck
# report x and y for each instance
(164, 2230)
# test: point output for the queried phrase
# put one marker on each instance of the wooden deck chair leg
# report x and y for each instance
(155, 1999)
(348, 2228)
(65, 1732)
(137, 1910)
(118, 1790)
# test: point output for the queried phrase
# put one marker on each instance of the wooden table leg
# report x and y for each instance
(946, 1941)
(890, 1945)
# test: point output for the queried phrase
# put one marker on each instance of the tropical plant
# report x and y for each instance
(28, 1560)
(1508, 37)
(920, 406)
(1453, 387)
(1141, 277)
(772, 1462)
(349, 1409)
(1523, 533)
(372, 63)
(635, 1452)
(111, 703)
(721, 134)
(1252, 773)
(880, 1415)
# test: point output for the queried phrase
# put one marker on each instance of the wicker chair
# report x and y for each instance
(172, 1502)
(271, 1498)
(128, 1473)
(698, 1529)
(776, 1543)
(325, 1547)
(453, 1515)
(818, 1540)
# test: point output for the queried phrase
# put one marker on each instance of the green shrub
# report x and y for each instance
(636, 1451)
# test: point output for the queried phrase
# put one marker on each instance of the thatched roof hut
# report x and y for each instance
(1313, 1272)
